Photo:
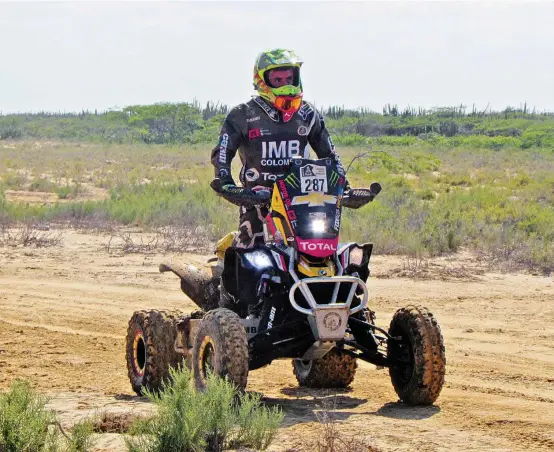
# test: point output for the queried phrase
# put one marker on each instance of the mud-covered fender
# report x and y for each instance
(201, 285)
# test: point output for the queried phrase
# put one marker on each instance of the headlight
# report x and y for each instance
(318, 225)
(258, 259)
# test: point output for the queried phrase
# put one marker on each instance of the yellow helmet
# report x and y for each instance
(286, 98)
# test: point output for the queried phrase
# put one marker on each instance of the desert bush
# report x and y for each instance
(329, 437)
(27, 233)
(214, 419)
(27, 425)
(14, 180)
(41, 184)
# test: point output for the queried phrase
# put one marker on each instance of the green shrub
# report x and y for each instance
(41, 184)
(25, 423)
(63, 192)
(215, 419)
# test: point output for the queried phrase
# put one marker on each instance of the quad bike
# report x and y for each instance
(301, 296)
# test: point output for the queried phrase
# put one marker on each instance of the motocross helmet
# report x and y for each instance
(286, 98)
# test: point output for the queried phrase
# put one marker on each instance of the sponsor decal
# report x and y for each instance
(302, 131)
(318, 215)
(271, 112)
(292, 180)
(280, 260)
(334, 178)
(223, 173)
(313, 178)
(223, 148)
(319, 248)
(286, 201)
(255, 133)
(280, 153)
(271, 176)
(285, 149)
(257, 118)
(305, 111)
(286, 198)
(314, 199)
(307, 170)
(336, 224)
(271, 317)
(252, 174)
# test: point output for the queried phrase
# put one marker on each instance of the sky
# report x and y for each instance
(69, 56)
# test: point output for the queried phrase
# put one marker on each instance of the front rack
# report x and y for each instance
(303, 284)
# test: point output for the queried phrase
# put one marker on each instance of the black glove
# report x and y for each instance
(241, 196)
(358, 197)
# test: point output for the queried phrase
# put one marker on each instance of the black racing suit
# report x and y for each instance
(266, 143)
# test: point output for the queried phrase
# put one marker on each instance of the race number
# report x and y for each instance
(313, 178)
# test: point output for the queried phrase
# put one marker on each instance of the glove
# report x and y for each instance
(241, 196)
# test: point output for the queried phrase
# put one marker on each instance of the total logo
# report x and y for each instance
(317, 246)
(271, 176)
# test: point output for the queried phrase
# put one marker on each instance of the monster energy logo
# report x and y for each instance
(334, 178)
(292, 180)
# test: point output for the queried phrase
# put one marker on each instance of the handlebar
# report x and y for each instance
(354, 198)
(358, 197)
(241, 196)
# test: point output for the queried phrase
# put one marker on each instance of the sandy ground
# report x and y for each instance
(64, 312)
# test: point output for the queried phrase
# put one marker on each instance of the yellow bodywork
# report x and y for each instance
(310, 269)
(223, 244)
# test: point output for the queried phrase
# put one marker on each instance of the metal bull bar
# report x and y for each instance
(328, 321)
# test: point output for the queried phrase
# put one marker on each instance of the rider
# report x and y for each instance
(268, 130)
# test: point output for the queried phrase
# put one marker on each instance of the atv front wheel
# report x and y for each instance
(418, 380)
(334, 370)
(220, 347)
(150, 349)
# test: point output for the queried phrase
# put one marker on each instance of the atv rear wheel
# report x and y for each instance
(221, 347)
(150, 349)
(419, 381)
(334, 370)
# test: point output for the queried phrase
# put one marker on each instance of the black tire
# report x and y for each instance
(334, 370)
(150, 349)
(221, 346)
(420, 381)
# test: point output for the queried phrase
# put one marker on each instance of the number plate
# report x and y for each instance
(313, 178)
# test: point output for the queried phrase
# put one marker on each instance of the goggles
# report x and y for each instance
(288, 104)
